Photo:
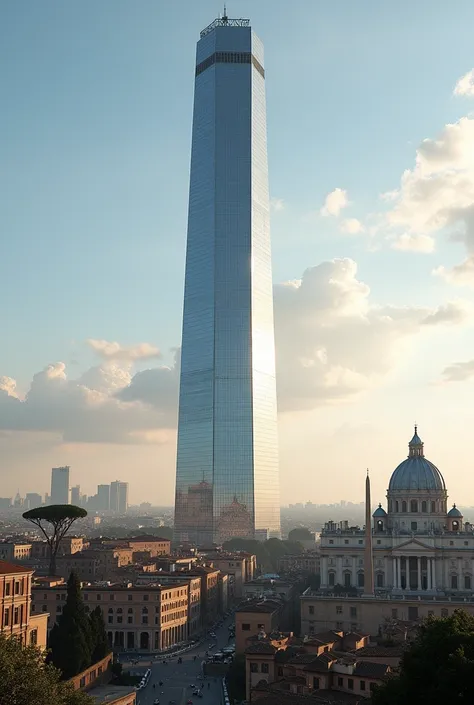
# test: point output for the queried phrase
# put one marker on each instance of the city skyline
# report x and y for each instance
(227, 473)
(372, 190)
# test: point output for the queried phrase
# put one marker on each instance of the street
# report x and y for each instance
(177, 678)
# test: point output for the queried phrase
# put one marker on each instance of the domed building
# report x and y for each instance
(415, 546)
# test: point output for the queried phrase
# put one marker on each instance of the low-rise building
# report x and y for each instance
(324, 665)
(308, 562)
(149, 617)
(15, 551)
(239, 566)
(254, 617)
(15, 606)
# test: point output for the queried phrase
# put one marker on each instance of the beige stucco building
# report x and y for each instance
(150, 617)
(15, 606)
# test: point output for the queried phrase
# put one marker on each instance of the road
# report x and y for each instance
(178, 677)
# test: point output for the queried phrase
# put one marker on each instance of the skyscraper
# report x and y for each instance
(227, 480)
(119, 496)
(60, 485)
(76, 495)
(103, 497)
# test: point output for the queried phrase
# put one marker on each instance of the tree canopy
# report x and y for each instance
(437, 668)
(71, 640)
(300, 533)
(25, 679)
(60, 518)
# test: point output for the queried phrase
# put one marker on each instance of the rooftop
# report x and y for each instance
(12, 568)
(110, 693)
(224, 22)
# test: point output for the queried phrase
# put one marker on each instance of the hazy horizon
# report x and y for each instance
(371, 156)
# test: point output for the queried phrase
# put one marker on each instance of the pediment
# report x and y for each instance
(412, 545)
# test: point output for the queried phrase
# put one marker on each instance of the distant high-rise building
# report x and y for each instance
(60, 485)
(33, 500)
(227, 478)
(119, 496)
(76, 495)
(103, 497)
(5, 502)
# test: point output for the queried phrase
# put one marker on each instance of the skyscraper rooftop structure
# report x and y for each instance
(227, 481)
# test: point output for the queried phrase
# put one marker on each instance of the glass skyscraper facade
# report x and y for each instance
(227, 482)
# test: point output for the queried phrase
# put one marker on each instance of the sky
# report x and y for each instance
(370, 110)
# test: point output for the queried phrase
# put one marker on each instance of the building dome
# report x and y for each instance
(416, 472)
(379, 512)
(454, 513)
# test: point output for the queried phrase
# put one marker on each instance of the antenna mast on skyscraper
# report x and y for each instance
(224, 16)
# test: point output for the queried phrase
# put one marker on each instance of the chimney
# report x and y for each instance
(368, 556)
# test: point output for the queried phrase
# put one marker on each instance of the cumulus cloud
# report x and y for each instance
(413, 242)
(335, 202)
(114, 351)
(465, 85)
(332, 342)
(277, 204)
(351, 226)
(459, 371)
(460, 275)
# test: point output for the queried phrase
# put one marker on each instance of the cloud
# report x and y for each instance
(335, 202)
(437, 195)
(277, 204)
(351, 226)
(460, 275)
(332, 342)
(459, 371)
(465, 85)
(114, 351)
(412, 242)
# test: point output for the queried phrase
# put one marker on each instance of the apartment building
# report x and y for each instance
(15, 551)
(194, 593)
(147, 617)
(300, 563)
(15, 602)
(255, 617)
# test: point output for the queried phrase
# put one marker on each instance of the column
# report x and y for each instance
(419, 571)
(399, 571)
(428, 573)
(433, 573)
(324, 571)
(339, 579)
(395, 572)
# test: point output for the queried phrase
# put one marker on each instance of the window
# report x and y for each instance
(379, 580)
(119, 610)
(454, 582)
(264, 668)
(339, 625)
(350, 683)
(315, 683)
(82, 682)
(412, 613)
(466, 543)
(98, 596)
(58, 596)
(17, 587)
(362, 685)
(111, 610)
(311, 609)
(379, 541)
(347, 580)
(361, 541)
(144, 610)
(404, 507)
(119, 619)
(372, 686)
(423, 506)
(110, 618)
(6, 617)
(338, 609)
(331, 541)
(253, 667)
(146, 598)
(444, 612)
(451, 543)
(346, 540)
(413, 506)
(58, 608)
(7, 588)
(33, 637)
(396, 507)
(44, 608)
(433, 507)
(360, 580)
(246, 628)
(394, 613)
(144, 619)
(353, 611)
(467, 582)
(414, 525)
(340, 682)
(111, 596)
(130, 597)
(331, 579)
(130, 620)
(130, 610)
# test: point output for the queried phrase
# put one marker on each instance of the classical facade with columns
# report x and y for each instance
(418, 545)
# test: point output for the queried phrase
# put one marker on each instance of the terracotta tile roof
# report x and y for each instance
(261, 648)
(395, 651)
(370, 669)
(12, 568)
